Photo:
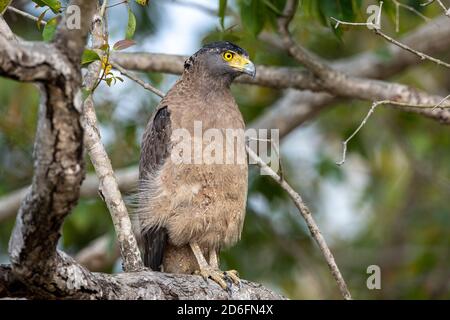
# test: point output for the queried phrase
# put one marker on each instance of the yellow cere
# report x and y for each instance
(235, 60)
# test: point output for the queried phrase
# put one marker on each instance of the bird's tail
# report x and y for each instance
(154, 242)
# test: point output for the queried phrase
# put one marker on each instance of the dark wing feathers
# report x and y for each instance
(155, 149)
(154, 241)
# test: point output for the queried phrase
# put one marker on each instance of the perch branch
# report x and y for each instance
(143, 285)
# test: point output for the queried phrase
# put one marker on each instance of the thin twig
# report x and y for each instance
(407, 7)
(310, 222)
(421, 55)
(377, 31)
(27, 15)
(136, 79)
(427, 3)
(363, 122)
(372, 109)
(441, 102)
(116, 4)
(446, 11)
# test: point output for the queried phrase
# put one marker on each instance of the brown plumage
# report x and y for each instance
(188, 212)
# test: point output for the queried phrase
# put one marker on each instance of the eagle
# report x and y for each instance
(188, 211)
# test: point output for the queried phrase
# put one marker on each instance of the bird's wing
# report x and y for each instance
(155, 149)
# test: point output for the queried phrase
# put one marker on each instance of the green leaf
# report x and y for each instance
(222, 12)
(253, 14)
(222, 36)
(345, 10)
(123, 44)
(108, 81)
(119, 78)
(54, 5)
(3, 5)
(131, 26)
(89, 56)
(142, 2)
(104, 47)
(40, 18)
(49, 30)
(272, 7)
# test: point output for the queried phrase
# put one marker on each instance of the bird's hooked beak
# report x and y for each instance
(244, 65)
(249, 68)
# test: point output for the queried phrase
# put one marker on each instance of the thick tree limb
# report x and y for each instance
(28, 61)
(135, 286)
(275, 77)
(58, 153)
(6, 31)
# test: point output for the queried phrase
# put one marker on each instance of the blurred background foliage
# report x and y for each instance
(388, 205)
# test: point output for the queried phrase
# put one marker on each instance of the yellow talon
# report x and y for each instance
(215, 275)
(234, 276)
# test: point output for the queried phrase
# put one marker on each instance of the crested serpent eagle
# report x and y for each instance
(188, 211)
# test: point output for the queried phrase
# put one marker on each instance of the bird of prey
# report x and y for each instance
(187, 212)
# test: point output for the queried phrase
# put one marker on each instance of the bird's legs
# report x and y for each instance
(206, 271)
(212, 270)
(230, 274)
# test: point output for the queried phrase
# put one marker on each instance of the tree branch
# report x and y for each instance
(433, 37)
(58, 153)
(26, 15)
(131, 76)
(126, 179)
(274, 77)
(294, 108)
(310, 222)
(109, 189)
(123, 286)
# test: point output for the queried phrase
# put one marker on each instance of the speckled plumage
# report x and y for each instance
(181, 204)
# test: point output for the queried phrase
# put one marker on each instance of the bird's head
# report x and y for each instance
(221, 60)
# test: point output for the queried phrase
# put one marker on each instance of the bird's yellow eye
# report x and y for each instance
(227, 56)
